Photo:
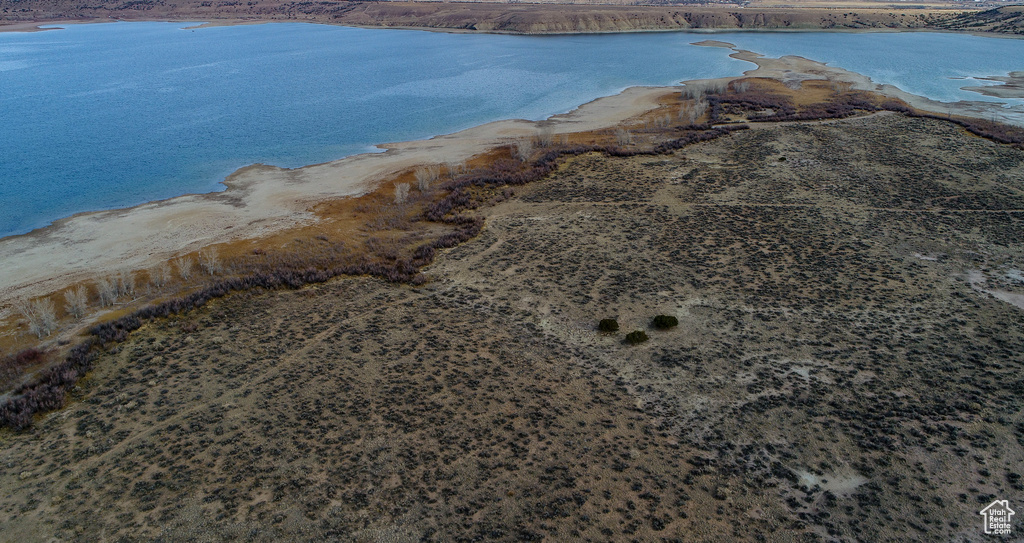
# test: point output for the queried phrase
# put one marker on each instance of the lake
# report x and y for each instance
(104, 116)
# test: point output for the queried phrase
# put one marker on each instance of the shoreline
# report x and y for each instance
(261, 200)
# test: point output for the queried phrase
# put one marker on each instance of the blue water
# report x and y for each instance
(111, 115)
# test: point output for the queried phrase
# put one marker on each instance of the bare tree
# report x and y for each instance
(455, 168)
(690, 112)
(715, 87)
(545, 137)
(126, 283)
(160, 275)
(401, 192)
(840, 86)
(426, 176)
(184, 265)
(40, 314)
(76, 301)
(106, 289)
(699, 107)
(686, 113)
(623, 137)
(692, 91)
(523, 149)
(209, 260)
(741, 86)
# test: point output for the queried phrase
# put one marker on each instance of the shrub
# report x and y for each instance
(12, 367)
(608, 325)
(636, 337)
(664, 322)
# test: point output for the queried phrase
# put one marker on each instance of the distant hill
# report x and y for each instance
(1007, 20)
(512, 18)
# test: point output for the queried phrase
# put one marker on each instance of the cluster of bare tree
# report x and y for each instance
(209, 261)
(427, 176)
(41, 315)
(690, 112)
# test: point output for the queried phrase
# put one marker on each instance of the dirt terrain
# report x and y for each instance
(846, 367)
(533, 18)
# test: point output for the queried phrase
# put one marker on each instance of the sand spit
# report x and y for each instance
(259, 200)
(1012, 86)
(792, 70)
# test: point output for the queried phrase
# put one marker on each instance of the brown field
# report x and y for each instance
(846, 366)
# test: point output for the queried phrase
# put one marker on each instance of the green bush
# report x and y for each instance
(608, 325)
(636, 337)
(664, 322)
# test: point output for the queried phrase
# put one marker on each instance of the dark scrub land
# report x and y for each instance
(846, 367)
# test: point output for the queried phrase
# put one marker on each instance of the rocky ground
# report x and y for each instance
(846, 367)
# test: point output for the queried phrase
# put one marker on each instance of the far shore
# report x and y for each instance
(538, 18)
(262, 200)
(206, 22)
